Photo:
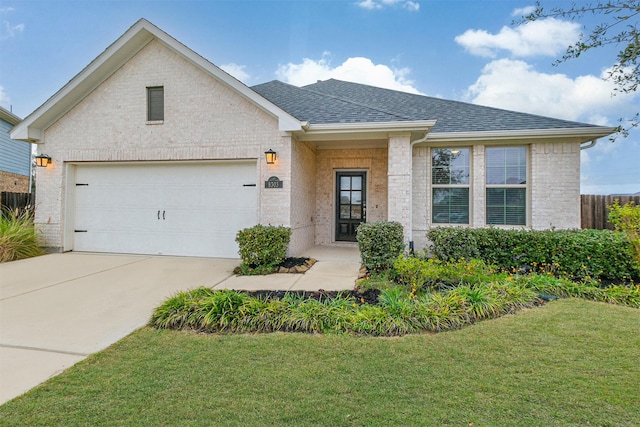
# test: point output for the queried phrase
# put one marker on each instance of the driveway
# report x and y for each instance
(57, 309)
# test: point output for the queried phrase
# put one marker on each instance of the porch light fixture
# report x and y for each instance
(270, 155)
(42, 160)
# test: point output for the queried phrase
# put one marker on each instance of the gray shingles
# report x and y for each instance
(336, 101)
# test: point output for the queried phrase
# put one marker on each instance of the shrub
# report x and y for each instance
(576, 254)
(627, 220)
(417, 273)
(18, 236)
(380, 243)
(263, 245)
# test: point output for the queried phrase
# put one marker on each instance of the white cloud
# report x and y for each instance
(523, 11)
(516, 85)
(412, 6)
(543, 37)
(357, 70)
(7, 30)
(369, 4)
(5, 101)
(237, 71)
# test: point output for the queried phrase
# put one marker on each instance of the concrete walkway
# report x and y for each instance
(57, 309)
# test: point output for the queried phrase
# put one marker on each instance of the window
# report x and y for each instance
(450, 185)
(506, 185)
(155, 103)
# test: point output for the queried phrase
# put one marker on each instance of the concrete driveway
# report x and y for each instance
(57, 309)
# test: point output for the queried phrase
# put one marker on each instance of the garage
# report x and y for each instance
(164, 208)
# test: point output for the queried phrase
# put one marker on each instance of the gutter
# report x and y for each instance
(588, 145)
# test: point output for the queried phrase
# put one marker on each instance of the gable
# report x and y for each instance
(116, 56)
(198, 108)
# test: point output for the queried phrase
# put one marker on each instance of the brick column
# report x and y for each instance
(399, 181)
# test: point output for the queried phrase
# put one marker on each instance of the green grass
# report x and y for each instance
(571, 362)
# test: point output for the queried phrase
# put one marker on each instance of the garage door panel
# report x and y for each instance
(172, 209)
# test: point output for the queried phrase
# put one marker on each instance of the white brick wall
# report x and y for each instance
(204, 119)
(303, 197)
(328, 161)
(399, 178)
(553, 187)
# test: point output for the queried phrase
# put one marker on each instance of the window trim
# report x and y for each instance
(526, 186)
(468, 186)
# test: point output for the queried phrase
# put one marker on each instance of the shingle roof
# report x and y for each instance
(336, 101)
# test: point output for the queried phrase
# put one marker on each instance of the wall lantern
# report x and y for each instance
(42, 160)
(270, 155)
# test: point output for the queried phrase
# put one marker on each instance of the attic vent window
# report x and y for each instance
(155, 103)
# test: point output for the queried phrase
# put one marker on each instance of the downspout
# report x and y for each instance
(413, 143)
(591, 143)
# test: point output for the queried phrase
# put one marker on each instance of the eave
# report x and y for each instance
(363, 131)
(581, 134)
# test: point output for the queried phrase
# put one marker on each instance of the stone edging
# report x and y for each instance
(298, 269)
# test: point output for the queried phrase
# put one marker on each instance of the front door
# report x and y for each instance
(351, 204)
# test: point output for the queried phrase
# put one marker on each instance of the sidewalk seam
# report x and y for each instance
(44, 350)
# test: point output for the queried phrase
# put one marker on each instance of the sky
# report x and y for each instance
(472, 51)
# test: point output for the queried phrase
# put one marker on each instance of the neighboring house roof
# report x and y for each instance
(108, 62)
(9, 117)
(336, 101)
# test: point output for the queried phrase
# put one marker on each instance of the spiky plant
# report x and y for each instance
(18, 236)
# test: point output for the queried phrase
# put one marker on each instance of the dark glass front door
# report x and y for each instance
(351, 204)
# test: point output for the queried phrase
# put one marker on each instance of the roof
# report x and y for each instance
(336, 101)
(140, 34)
(9, 117)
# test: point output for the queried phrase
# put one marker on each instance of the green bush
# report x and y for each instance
(577, 254)
(380, 243)
(263, 245)
(18, 236)
(627, 220)
(416, 273)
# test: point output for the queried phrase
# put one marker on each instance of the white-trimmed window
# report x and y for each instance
(450, 178)
(506, 185)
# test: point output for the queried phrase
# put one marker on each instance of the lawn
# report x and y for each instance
(570, 362)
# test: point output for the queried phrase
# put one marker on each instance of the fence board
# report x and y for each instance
(594, 213)
(18, 201)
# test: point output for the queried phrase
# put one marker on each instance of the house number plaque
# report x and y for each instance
(273, 182)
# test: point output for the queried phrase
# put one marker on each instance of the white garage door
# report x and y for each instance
(191, 209)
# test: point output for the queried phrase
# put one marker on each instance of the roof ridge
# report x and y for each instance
(349, 101)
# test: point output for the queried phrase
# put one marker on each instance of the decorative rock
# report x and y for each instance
(283, 270)
(301, 268)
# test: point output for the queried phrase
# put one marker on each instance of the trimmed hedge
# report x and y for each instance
(263, 245)
(380, 243)
(577, 254)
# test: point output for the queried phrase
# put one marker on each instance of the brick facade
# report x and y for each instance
(204, 119)
(328, 162)
(207, 119)
(14, 183)
(553, 190)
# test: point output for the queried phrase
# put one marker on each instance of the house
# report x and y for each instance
(155, 150)
(15, 157)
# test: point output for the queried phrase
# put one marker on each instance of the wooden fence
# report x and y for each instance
(594, 213)
(18, 201)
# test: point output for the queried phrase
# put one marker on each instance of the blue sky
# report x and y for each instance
(455, 49)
